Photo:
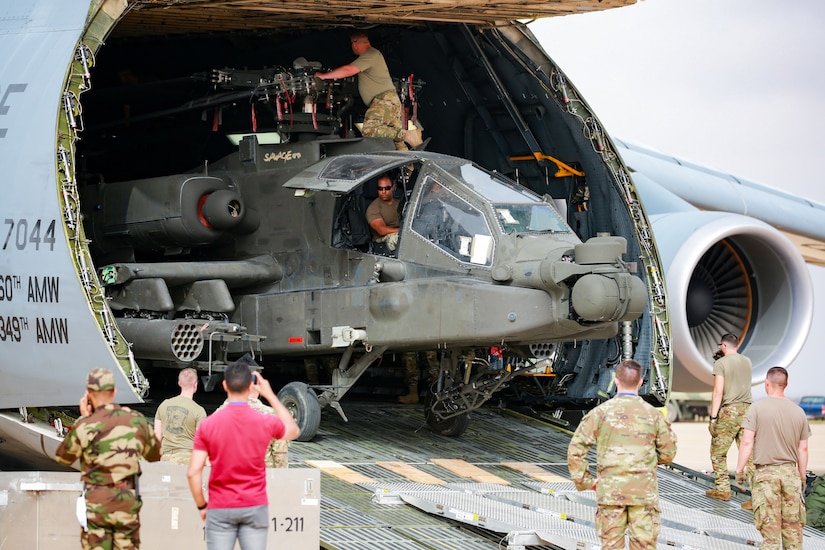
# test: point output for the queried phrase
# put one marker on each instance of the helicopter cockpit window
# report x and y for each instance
(526, 218)
(453, 224)
(517, 208)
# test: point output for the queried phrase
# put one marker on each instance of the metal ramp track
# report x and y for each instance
(382, 519)
(349, 523)
(674, 516)
(722, 521)
(528, 518)
(520, 526)
(524, 527)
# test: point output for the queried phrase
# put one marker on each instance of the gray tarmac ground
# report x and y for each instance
(694, 447)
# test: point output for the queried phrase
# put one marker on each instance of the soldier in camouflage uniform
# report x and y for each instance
(277, 454)
(177, 418)
(732, 374)
(383, 116)
(411, 374)
(109, 440)
(776, 435)
(631, 438)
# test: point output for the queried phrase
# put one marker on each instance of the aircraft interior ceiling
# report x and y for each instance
(145, 118)
(165, 17)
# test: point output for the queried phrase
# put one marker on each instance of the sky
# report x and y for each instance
(736, 85)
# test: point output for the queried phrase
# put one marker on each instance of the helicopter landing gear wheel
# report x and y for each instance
(451, 427)
(303, 404)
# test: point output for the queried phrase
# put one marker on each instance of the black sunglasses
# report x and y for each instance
(385, 188)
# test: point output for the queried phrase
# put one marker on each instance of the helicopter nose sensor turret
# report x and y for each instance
(606, 294)
(600, 284)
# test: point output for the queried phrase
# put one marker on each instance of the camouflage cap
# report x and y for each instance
(100, 380)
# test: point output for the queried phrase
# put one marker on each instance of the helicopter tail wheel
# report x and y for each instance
(303, 404)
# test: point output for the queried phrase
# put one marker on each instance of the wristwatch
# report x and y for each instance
(203, 507)
(714, 417)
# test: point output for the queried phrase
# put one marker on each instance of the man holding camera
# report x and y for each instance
(234, 440)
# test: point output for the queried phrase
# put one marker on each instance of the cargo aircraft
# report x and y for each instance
(181, 191)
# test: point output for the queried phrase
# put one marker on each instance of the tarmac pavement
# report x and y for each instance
(693, 447)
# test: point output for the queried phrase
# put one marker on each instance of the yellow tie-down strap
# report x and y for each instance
(564, 170)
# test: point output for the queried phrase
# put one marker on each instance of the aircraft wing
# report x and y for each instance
(801, 220)
(45, 287)
(734, 252)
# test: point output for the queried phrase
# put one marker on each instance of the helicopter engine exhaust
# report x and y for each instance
(172, 211)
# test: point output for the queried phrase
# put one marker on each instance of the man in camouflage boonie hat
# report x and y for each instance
(100, 380)
(109, 440)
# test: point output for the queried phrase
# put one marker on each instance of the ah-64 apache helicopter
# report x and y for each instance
(520, 225)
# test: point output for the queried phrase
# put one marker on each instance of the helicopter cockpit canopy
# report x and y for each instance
(517, 209)
(449, 203)
(342, 174)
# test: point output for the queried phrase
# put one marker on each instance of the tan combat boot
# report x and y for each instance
(412, 397)
(717, 494)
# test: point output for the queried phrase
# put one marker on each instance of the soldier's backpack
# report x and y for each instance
(815, 504)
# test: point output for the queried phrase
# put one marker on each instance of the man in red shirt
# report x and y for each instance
(235, 440)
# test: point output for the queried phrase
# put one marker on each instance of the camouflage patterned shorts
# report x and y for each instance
(383, 119)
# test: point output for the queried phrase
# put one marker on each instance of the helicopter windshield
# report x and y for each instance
(452, 224)
(517, 208)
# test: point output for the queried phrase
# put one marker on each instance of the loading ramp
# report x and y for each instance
(503, 484)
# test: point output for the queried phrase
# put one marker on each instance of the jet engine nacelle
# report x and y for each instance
(731, 273)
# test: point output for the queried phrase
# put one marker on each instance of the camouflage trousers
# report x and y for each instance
(277, 454)
(112, 515)
(177, 457)
(390, 238)
(728, 430)
(383, 119)
(641, 523)
(778, 506)
(411, 367)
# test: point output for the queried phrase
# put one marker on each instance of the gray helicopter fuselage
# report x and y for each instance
(488, 278)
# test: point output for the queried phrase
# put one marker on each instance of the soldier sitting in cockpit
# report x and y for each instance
(382, 215)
